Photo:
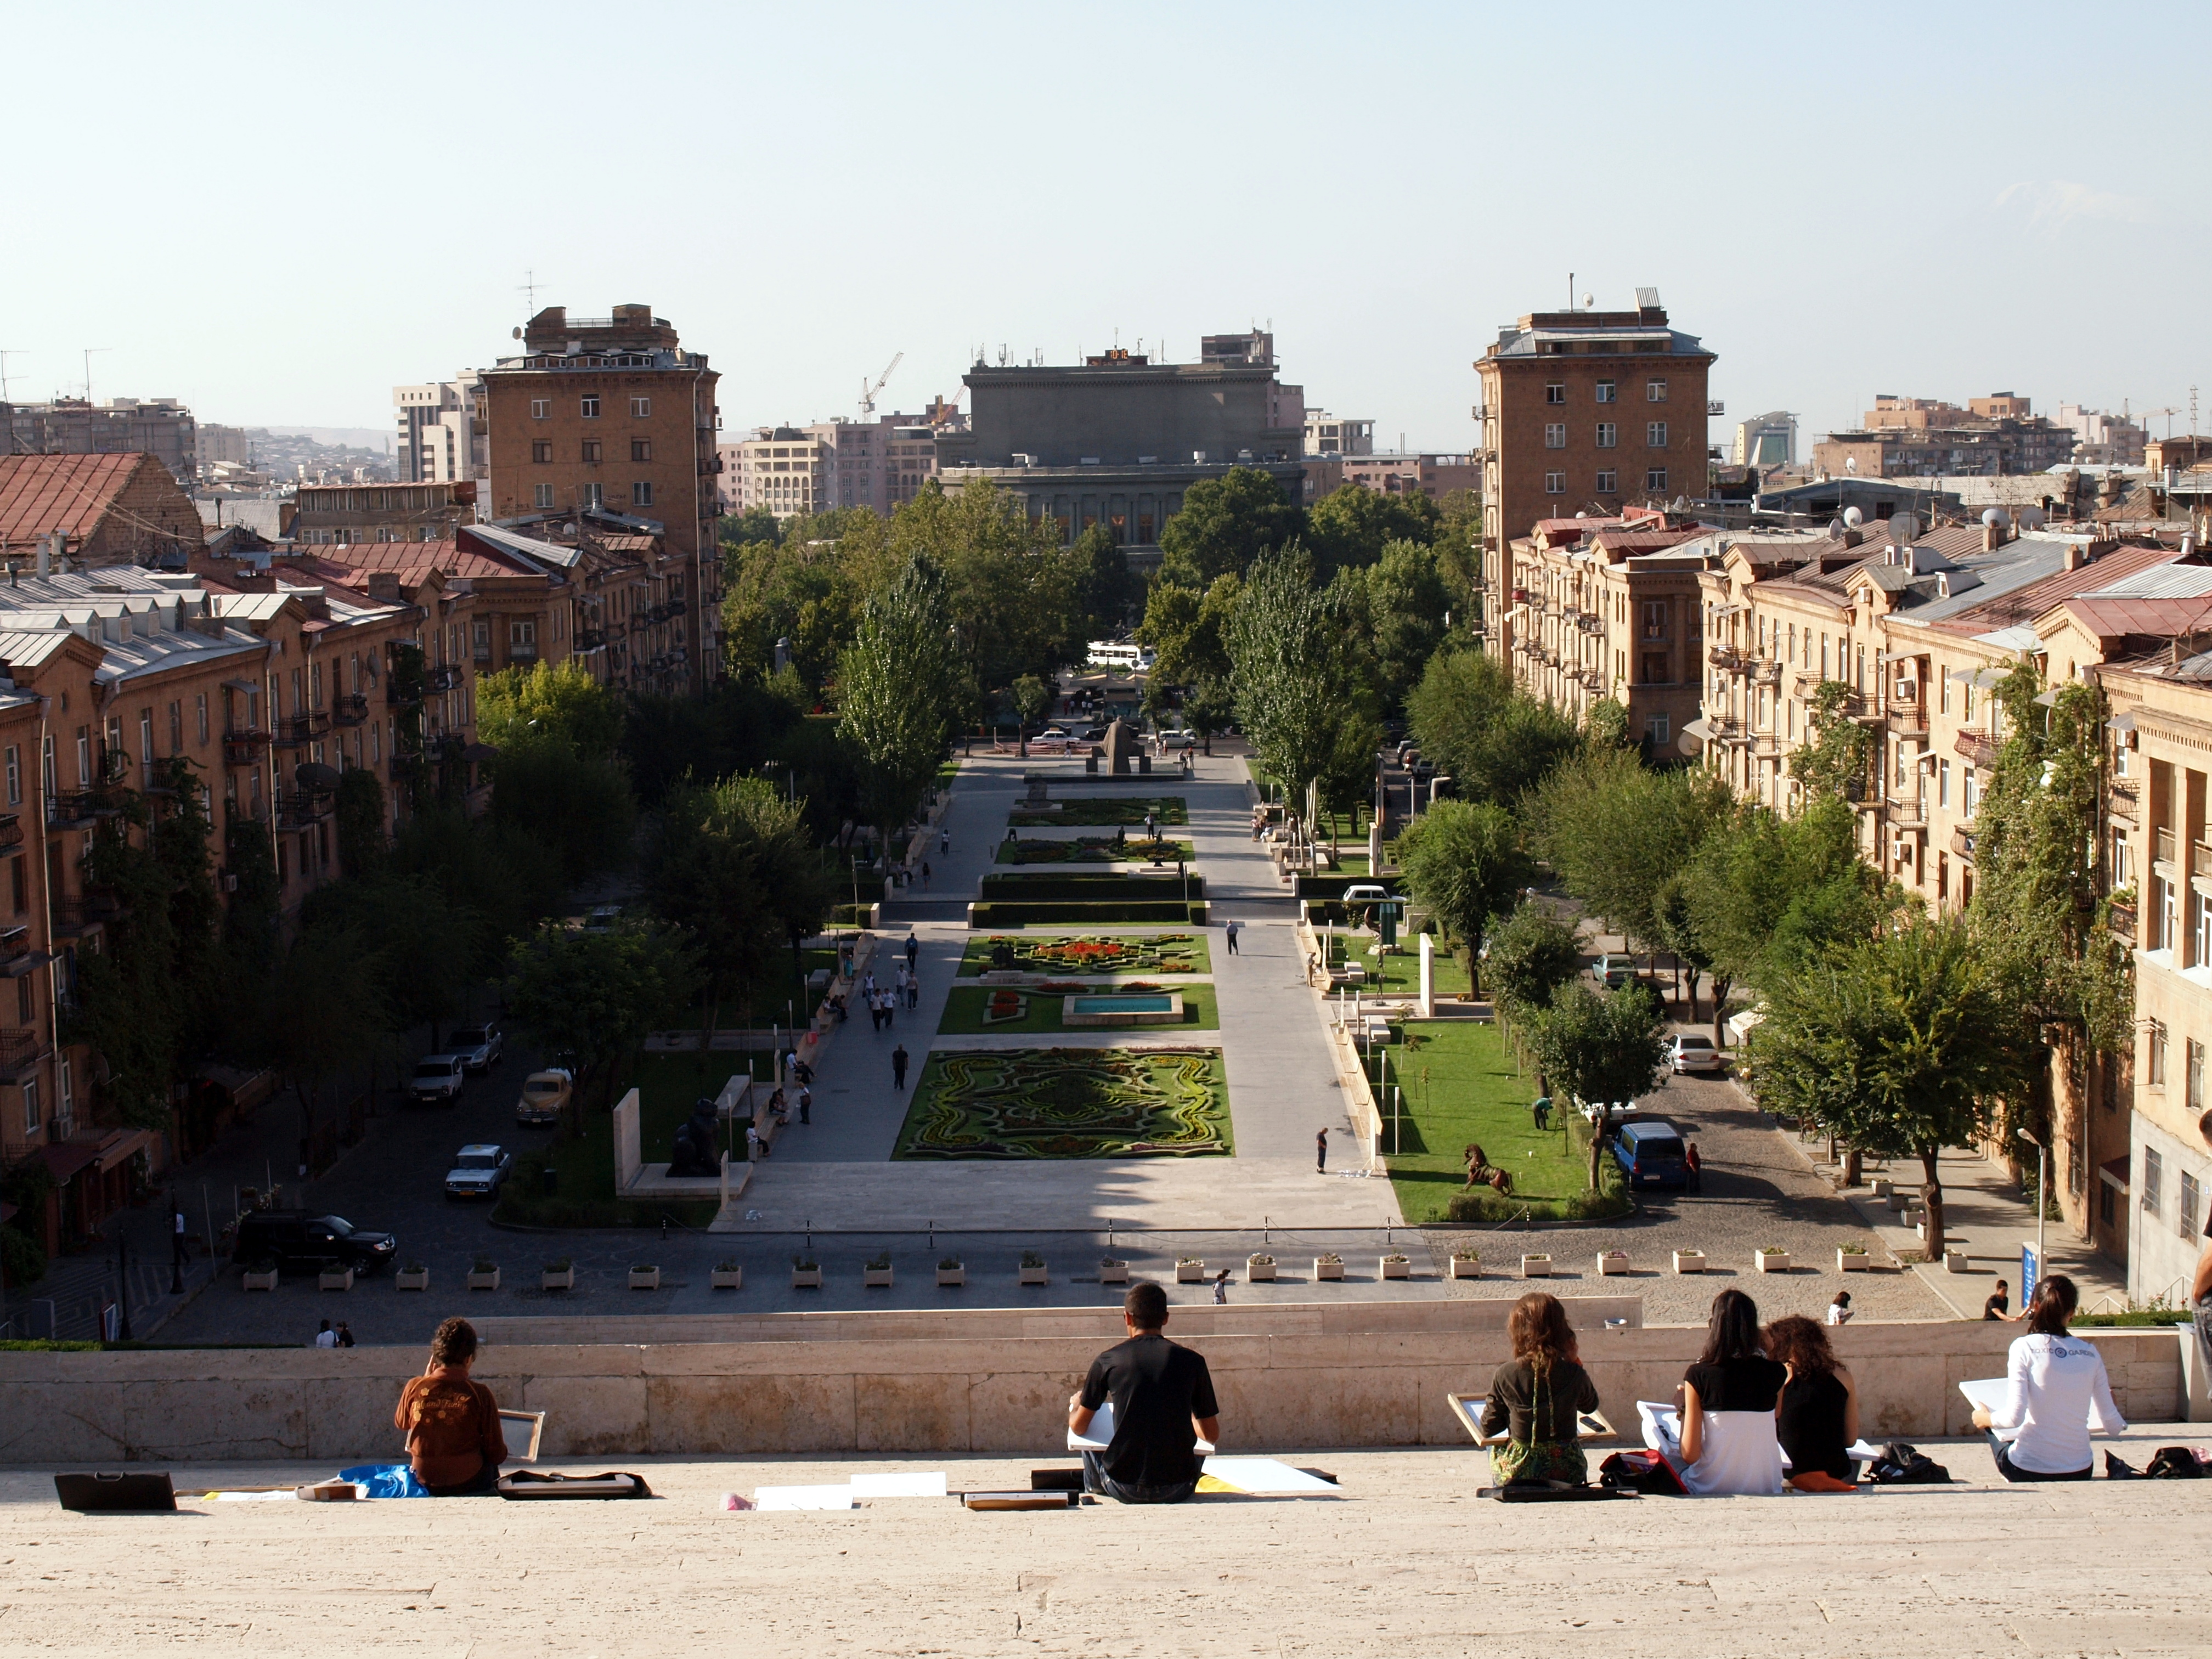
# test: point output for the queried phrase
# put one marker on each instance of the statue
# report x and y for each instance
(694, 1152)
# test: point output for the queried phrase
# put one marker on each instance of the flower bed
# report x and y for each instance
(1093, 849)
(1005, 1006)
(1125, 810)
(1087, 953)
(1069, 1102)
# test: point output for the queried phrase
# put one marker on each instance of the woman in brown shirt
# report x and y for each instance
(1538, 1396)
(452, 1424)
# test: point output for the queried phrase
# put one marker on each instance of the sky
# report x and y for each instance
(279, 213)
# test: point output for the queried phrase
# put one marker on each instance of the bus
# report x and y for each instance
(1128, 658)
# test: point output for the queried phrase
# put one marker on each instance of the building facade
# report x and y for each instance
(338, 515)
(105, 509)
(160, 427)
(1329, 435)
(441, 436)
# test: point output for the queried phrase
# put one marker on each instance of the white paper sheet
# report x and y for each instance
(899, 1486)
(1101, 1433)
(804, 1497)
(1987, 1392)
(1859, 1451)
(1266, 1474)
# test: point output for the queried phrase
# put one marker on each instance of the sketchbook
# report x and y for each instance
(1101, 1434)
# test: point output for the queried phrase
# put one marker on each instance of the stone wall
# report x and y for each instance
(1289, 1377)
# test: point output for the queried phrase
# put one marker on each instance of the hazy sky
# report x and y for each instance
(279, 213)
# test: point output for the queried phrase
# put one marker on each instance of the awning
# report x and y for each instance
(1981, 679)
(29, 962)
(123, 1146)
(64, 1162)
(2115, 1173)
(248, 686)
(1901, 656)
(2049, 699)
(2123, 722)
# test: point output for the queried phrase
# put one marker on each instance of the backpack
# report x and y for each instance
(2173, 1463)
(1643, 1472)
(1903, 1465)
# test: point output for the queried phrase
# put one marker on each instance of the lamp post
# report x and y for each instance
(2042, 1202)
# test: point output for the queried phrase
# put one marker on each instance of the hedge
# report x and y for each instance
(1105, 887)
(1002, 914)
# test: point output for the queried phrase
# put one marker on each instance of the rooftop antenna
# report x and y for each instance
(88, 351)
(4, 356)
(529, 287)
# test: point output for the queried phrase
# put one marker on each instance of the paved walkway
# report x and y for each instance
(1407, 1564)
(837, 1174)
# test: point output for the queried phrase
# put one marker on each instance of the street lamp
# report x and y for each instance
(2042, 1201)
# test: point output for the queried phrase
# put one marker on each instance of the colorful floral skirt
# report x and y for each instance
(1540, 1460)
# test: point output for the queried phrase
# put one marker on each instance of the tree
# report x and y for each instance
(564, 702)
(1302, 692)
(1601, 1047)
(1032, 699)
(896, 690)
(1105, 589)
(1838, 753)
(509, 879)
(578, 806)
(1492, 739)
(323, 1017)
(1464, 863)
(1900, 1044)
(1614, 831)
(595, 993)
(1351, 525)
(358, 808)
(1459, 549)
(1677, 921)
(1397, 606)
(1225, 524)
(800, 589)
(425, 951)
(1531, 954)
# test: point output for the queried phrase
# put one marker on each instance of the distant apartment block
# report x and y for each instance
(1331, 434)
(1926, 437)
(1433, 475)
(224, 445)
(339, 515)
(160, 427)
(442, 437)
(2103, 438)
(1769, 439)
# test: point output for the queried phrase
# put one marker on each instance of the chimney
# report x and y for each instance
(1992, 537)
(45, 555)
(384, 585)
(2078, 555)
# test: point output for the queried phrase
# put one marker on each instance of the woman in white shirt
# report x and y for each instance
(2056, 1391)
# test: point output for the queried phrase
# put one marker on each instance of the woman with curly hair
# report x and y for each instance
(1818, 1417)
(452, 1423)
(1537, 1395)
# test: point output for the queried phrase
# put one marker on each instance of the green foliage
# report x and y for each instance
(1352, 525)
(358, 807)
(1105, 589)
(1765, 894)
(897, 686)
(1032, 699)
(1606, 724)
(1836, 758)
(1613, 830)
(1464, 863)
(596, 993)
(22, 1259)
(323, 1013)
(1599, 1046)
(518, 705)
(1226, 524)
(1302, 692)
(756, 525)
(806, 586)
(508, 878)
(1494, 741)
(424, 951)
(577, 806)
(1459, 549)
(1532, 953)
(1396, 605)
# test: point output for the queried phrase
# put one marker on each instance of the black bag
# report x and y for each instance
(1549, 1491)
(2118, 1468)
(1643, 1472)
(1903, 1465)
(529, 1483)
(2174, 1463)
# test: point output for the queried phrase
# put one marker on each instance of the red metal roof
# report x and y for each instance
(41, 493)
(2159, 618)
(446, 555)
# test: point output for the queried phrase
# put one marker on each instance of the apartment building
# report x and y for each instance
(443, 437)
(1331, 434)
(1926, 437)
(160, 427)
(108, 509)
(338, 515)
(1584, 411)
(613, 415)
(788, 470)
(1391, 473)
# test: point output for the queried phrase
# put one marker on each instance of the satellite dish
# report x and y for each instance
(1589, 303)
(1835, 526)
(1853, 518)
(1850, 464)
(1905, 529)
(1993, 516)
(2031, 518)
(518, 333)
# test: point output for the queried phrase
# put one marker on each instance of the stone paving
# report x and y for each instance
(1406, 1563)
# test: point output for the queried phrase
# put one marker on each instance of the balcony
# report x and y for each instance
(77, 916)
(18, 1053)
(81, 808)
(2162, 846)
(350, 710)
(402, 766)
(242, 746)
(296, 729)
(300, 808)
(1962, 844)
(401, 694)
(2122, 803)
(591, 639)
(1729, 659)
(442, 677)
(1978, 747)
(1907, 719)
(1765, 673)
(1725, 728)
(1908, 813)
(2199, 859)
(11, 832)
(524, 651)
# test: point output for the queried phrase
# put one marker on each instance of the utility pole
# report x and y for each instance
(88, 351)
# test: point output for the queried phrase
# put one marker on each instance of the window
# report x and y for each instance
(592, 451)
(1966, 792)
(1555, 483)
(1607, 434)
(31, 1119)
(640, 494)
(2154, 1054)
(202, 709)
(19, 887)
(1658, 730)
(14, 775)
(2192, 1194)
(176, 728)
(1655, 392)
(590, 409)
(594, 496)
(639, 408)
(2193, 1080)
(1655, 668)
(1654, 619)
(1608, 483)
(1555, 435)
(2122, 872)
(1608, 392)
(1943, 783)
(1555, 392)
(640, 449)
(1945, 680)
(541, 409)
(523, 634)
(2154, 1177)
(542, 453)
(1655, 434)
(1654, 480)
(541, 495)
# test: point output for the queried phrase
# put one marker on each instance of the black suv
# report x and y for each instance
(300, 1239)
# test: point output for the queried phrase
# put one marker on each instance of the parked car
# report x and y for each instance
(1692, 1053)
(438, 1079)
(602, 917)
(1614, 970)
(477, 1047)
(478, 1170)
(544, 1096)
(300, 1239)
(1051, 734)
(1616, 1111)
(1649, 1154)
(1094, 734)
(1173, 743)
(1366, 892)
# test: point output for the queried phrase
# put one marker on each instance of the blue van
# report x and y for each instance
(1649, 1154)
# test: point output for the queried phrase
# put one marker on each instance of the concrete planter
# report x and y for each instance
(645, 1278)
(1881, 1186)
(1611, 1261)
(487, 1280)
(335, 1279)
(875, 1278)
(1954, 1261)
(1467, 1266)
(411, 1279)
(1536, 1266)
(726, 1279)
(1190, 1273)
(1257, 1272)
(1111, 1272)
(1035, 1275)
(953, 1278)
(1852, 1261)
(259, 1281)
(1327, 1269)
(807, 1278)
(555, 1279)
(1396, 1267)
(1689, 1261)
(1771, 1261)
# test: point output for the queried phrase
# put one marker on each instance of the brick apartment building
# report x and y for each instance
(1926, 437)
(1433, 475)
(1584, 411)
(612, 414)
(109, 509)
(160, 427)
(339, 515)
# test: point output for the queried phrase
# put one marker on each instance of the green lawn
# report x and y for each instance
(1459, 1086)
(1092, 849)
(666, 1086)
(1127, 810)
(964, 1012)
(1400, 970)
(1130, 953)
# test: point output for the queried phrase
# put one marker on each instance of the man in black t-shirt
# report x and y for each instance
(1163, 1399)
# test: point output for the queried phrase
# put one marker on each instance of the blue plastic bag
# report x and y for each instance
(385, 1480)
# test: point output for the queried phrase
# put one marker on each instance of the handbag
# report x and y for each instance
(2173, 1463)
(1645, 1472)
(1903, 1465)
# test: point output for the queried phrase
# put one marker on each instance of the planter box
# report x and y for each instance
(726, 1279)
(483, 1281)
(875, 1278)
(1689, 1261)
(336, 1278)
(254, 1281)
(404, 1280)
(1113, 1273)
(565, 1279)
(1190, 1273)
(1536, 1267)
(1328, 1270)
(1396, 1269)
(1467, 1266)
(1849, 1261)
(954, 1277)
(1259, 1273)
(1770, 1263)
(1031, 1276)
(807, 1278)
(1611, 1261)
(1882, 1186)
(1954, 1261)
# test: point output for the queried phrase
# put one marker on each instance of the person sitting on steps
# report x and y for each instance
(452, 1423)
(1163, 1398)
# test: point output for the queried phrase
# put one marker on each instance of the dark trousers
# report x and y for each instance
(1097, 1482)
(1232, 943)
(484, 1482)
(2012, 1471)
(1321, 1158)
(898, 1077)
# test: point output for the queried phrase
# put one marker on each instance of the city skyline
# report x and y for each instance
(995, 215)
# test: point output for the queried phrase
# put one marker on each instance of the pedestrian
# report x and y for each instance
(1695, 1165)
(868, 984)
(925, 874)
(1840, 1310)
(875, 1014)
(1999, 1306)
(891, 1008)
(326, 1338)
(177, 1250)
(1541, 1109)
(898, 1067)
(1320, 1152)
(913, 993)
(1221, 1286)
(1231, 932)
(944, 843)
(345, 1334)
(806, 1104)
(913, 949)
(753, 1148)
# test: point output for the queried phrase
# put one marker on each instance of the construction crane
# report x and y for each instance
(868, 392)
(2150, 415)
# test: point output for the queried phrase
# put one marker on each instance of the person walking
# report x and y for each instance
(913, 949)
(914, 993)
(1221, 1287)
(806, 1104)
(944, 843)
(1320, 1152)
(924, 875)
(1695, 1165)
(1232, 931)
(890, 1009)
(898, 1067)
(753, 1145)
(177, 1251)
